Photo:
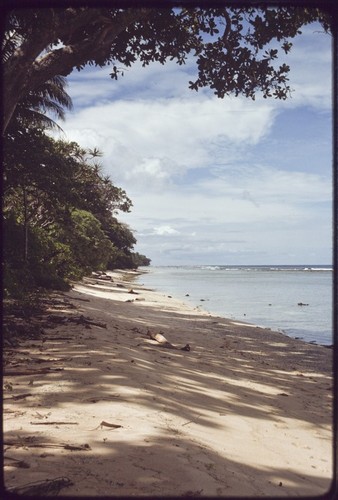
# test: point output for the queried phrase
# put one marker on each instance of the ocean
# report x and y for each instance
(295, 300)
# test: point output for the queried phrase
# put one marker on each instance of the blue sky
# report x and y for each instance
(216, 181)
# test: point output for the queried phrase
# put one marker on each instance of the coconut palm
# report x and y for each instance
(50, 98)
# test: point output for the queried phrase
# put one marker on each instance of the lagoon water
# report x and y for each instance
(266, 296)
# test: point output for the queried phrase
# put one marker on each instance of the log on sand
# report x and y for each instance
(158, 337)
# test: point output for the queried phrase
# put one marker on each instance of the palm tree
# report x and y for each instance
(33, 111)
(50, 98)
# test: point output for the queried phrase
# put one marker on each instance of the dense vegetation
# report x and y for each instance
(59, 210)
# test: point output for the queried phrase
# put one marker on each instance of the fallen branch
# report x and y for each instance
(82, 447)
(49, 487)
(19, 396)
(107, 424)
(54, 423)
(20, 361)
(108, 398)
(158, 337)
(105, 278)
(57, 338)
(161, 340)
(45, 360)
(81, 320)
(14, 373)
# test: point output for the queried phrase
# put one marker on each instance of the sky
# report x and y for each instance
(216, 181)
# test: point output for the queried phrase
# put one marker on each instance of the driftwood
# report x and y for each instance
(160, 339)
(54, 423)
(26, 443)
(38, 361)
(46, 360)
(82, 320)
(79, 320)
(19, 396)
(165, 343)
(107, 424)
(58, 338)
(16, 373)
(58, 305)
(72, 447)
(108, 398)
(49, 487)
(102, 276)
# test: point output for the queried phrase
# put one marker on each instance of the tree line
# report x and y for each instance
(59, 210)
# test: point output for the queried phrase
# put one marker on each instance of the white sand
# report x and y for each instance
(246, 412)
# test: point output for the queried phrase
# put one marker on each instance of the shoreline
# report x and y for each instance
(131, 275)
(262, 323)
(246, 412)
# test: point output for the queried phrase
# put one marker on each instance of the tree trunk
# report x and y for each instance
(25, 208)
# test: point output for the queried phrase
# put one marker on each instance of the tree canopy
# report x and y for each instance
(59, 212)
(231, 46)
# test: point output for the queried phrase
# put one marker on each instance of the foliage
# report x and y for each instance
(90, 246)
(140, 260)
(119, 234)
(231, 46)
(50, 97)
(59, 212)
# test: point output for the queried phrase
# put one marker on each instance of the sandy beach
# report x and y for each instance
(96, 406)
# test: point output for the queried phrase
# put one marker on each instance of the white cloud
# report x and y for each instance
(209, 178)
(266, 184)
(268, 200)
(310, 64)
(258, 213)
(164, 231)
(147, 141)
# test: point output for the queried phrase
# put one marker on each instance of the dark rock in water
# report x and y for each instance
(270, 304)
(301, 304)
(187, 295)
(169, 297)
(202, 300)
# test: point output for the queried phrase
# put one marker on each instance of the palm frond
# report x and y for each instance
(36, 118)
(50, 99)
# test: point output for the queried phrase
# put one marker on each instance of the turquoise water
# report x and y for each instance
(266, 296)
